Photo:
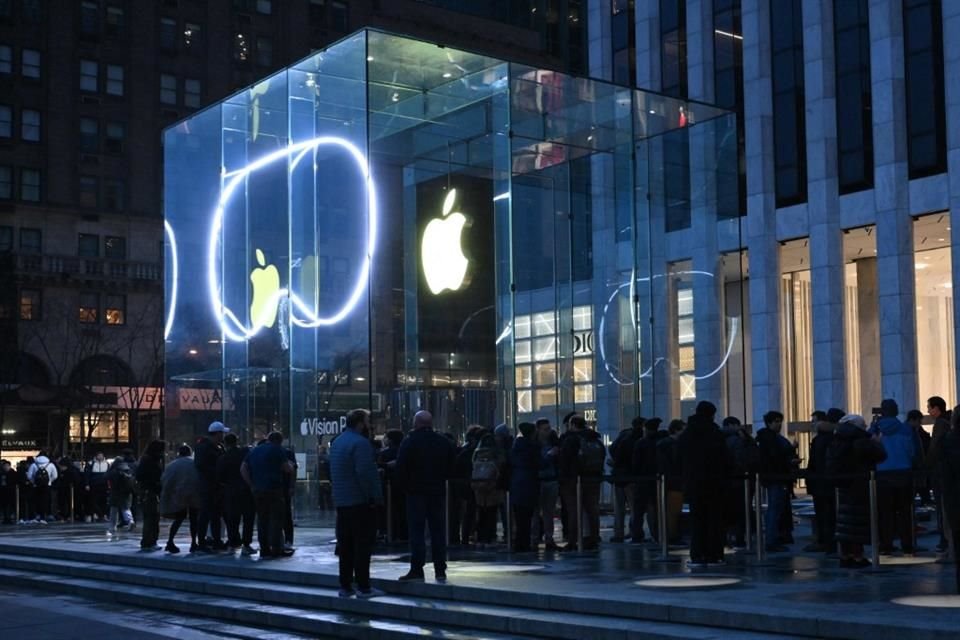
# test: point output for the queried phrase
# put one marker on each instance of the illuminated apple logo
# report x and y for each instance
(266, 292)
(444, 265)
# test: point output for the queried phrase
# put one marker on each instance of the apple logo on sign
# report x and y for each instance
(444, 265)
(266, 285)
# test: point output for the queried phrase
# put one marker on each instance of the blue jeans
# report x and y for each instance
(427, 510)
(776, 502)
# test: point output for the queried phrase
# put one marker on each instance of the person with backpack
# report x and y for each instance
(643, 467)
(488, 468)
(122, 487)
(524, 483)
(147, 475)
(41, 475)
(582, 456)
(621, 452)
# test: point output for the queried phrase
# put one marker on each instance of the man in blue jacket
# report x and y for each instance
(356, 495)
(424, 463)
(895, 478)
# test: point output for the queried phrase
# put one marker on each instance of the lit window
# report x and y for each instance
(89, 135)
(545, 374)
(30, 63)
(89, 186)
(191, 93)
(168, 89)
(522, 353)
(521, 327)
(115, 309)
(583, 370)
(89, 307)
(523, 376)
(100, 426)
(544, 398)
(30, 125)
(29, 304)
(6, 121)
(583, 393)
(114, 80)
(6, 58)
(30, 185)
(88, 76)
(582, 318)
(241, 47)
(545, 349)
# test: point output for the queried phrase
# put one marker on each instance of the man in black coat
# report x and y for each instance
(238, 504)
(778, 461)
(205, 456)
(820, 487)
(643, 467)
(624, 487)
(706, 467)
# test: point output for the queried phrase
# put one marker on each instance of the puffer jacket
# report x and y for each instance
(853, 451)
(180, 487)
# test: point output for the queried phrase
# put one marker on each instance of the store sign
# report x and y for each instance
(583, 343)
(323, 426)
(20, 444)
(204, 400)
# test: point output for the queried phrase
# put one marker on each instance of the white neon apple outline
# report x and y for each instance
(239, 331)
(172, 312)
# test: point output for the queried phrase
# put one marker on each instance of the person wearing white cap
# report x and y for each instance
(205, 457)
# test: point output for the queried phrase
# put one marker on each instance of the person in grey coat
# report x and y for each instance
(180, 496)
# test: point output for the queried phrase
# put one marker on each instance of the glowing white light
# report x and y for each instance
(230, 325)
(172, 310)
(501, 196)
(735, 36)
(444, 265)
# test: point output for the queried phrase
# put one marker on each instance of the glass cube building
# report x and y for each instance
(393, 224)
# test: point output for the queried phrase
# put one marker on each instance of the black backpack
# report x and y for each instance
(123, 478)
(591, 457)
(41, 478)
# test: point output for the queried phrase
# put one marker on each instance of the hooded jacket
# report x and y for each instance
(42, 462)
(900, 443)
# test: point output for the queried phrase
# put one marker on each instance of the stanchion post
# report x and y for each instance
(389, 512)
(758, 497)
(662, 515)
(874, 526)
(17, 503)
(579, 516)
(73, 505)
(746, 512)
(508, 534)
(446, 512)
(836, 502)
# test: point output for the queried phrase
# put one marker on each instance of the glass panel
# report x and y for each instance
(524, 377)
(546, 374)
(934, 306)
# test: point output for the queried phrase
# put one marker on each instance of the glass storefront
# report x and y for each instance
(398, 225)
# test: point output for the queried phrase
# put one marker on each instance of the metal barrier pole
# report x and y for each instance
(913, 515)
(758, 496)
(446, 512)
(17, 503)
(874, 526)
(389, 512)
(836, 513)
(746, 512)
(73, 505)
(662, 515)
(579, 516)
(508, 534)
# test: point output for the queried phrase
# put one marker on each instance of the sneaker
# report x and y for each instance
(248, 550)
(346, 593)
(171, 548)
(286, 553)
(132, 526)
(366, 594)
(411, 576)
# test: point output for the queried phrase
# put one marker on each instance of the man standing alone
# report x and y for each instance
(356, 496)
(424, 463)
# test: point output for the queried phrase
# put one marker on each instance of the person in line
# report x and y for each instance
(148, 476)
(386, 461)
(937, 409)
(670, 466)
(207, 452)
(582, 456)
(122, 485)
(8, 492)
(180, 497)
(324, 490)
(548, 476)
(504, 439)
(488, 468)
(921, 482)
(289, 494)
(69, 488)
(946, 462)
(95, 476)
(895, 478)
(41, 475)
(238, 506)
(524, 483)
(820, 486)
(461, 486)
(852, 455)
(643, 467)
(706, 468)
(744, 457)
(624, 486)
(778, 461)
(357, 494)
(264, 472)
(424, 464)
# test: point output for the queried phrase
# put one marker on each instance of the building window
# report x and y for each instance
(114, 80)
(789, 123)
(32, 12)
(29, 304)
(6, 234)
(339, 16)
(115, 248)
(115, 22)
(168, 88)
(6, 121)
(192, 36)
(30, 185)
(854, 97)
(88, 192)
(6, 59)
(728, 87)
(113, 195)
(89, 19)
(926, 119)
(265, 7)
(191, 93)
(264, 51)
(115, 136)
(241, 47)
(30, 240)
(6, 183)
(30, 125)
(623, 37)
(115, 309)
(89, 307)
(30, 63)
(88, 245)
(168, 34)
(89, 135)
(673, 48)
(100, 426)
(88, 76)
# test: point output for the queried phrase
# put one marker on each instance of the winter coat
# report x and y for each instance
(486, 493)
(853, 451)
(524, 472)
(643, 464)
(96, 473)
(949, 465)
(42, 462)
(425, 462)
(149, 471)
(205, 456)
(180, 484)
(353, 472)
(570, 443)
(621, 451)
(777, 457)
(817, 462)
(228, 472)
(900, 442)
(706, 462)
(669, 463)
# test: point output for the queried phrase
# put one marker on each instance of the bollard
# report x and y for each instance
(874, 527)
(913, 517)
(579, 516)
(73, 505)
(836, 500)
(446, 512)
(508, 534)
(662, 515)
(758, 496)
(389, 512)
(746, 512)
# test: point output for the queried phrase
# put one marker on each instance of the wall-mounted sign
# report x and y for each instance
(323, 426)
(583, 343)
(441, 254)
(20, 444)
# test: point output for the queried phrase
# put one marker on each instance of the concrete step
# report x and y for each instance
(425, 613)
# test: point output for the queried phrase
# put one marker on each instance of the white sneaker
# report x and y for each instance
(248, 550)
(41, 521)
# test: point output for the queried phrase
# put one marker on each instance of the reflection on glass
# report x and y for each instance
(583, 370)
(544, 324)
(521, 327)
(583, 393)
(522, 351)
(582, 318)
(523, 376)
(545, 349)
(545, 398)
(796, 330)
(546, 374)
